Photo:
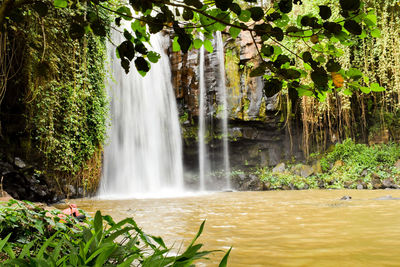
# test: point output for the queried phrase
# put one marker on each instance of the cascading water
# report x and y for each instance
(202, 122)
(224, 103)
(144, 156)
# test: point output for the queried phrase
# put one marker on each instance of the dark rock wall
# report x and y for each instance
(257, 132)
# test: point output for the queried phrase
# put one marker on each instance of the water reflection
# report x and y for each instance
(289, 228)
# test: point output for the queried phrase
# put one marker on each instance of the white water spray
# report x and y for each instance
(224, 102)
(144, 156)
(202, 121)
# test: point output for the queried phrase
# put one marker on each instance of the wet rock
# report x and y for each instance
(376, 181)
(364, 173)
(389, 183)
(317, 167)
(253, 184)
(361, 185)
(345, 198)
(280, 168)
(19, 163)
(302, 170)
(306, 171)
(348, 184)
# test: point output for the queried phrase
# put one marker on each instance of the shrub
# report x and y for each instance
(95, 242)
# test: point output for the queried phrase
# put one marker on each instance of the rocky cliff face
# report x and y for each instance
(256, 130)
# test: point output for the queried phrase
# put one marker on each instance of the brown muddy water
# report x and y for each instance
(279, 228)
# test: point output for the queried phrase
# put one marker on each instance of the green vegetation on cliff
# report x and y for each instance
(55, 108)
(347, 165)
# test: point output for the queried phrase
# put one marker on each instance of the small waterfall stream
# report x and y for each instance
(144, 156)
(203, 166)
(224, 103)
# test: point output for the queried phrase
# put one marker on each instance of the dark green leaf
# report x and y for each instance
(126, 50)
(194, 3)
(332, 66)
(76, 31)
(98, 28)
(285, 6)
(272, 86)
(274, 16)
(267, 50)
(184, 42)
(187, 14)
(352, 27)
(350, 5)
(16, 15)
(291, 29)
(235, 8)
(292, 74)
(260, 70)
(325, 12)
(223, 4)
(277, 33)
(224, 261)
(320, 77)
(41, 8)
(139, 47)
(141, 64)
(280, 60)
(333, 27)
(305, 21)
(307, 57)
(256, 13)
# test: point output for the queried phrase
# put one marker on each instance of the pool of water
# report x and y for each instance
(274, 228)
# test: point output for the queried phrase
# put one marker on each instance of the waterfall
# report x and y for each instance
(144, 154)
(224, 102)
(202, 122)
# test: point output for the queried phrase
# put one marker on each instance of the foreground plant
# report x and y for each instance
(96, 242)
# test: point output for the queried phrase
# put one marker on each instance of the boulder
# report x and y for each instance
(348, 184)
(253, 184)
(389, 183)
(280, 168)
(317, 167)
(19, 163)
(361, 185)
(302, 170)
(376, 181)
(306, 170)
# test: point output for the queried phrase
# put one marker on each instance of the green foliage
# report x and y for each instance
(346, 166)
(30, 223)
(96, 242)
(66, 99)
(364, 157)
(321, 31)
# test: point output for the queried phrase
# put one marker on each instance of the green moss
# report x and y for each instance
(65, 99)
